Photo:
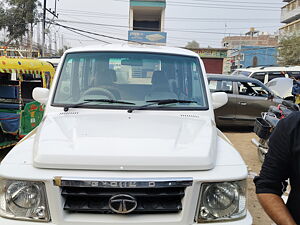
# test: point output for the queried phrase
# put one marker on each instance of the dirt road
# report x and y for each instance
(242, 142)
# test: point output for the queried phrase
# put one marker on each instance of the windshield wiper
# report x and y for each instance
(160, 102)
(66, 108)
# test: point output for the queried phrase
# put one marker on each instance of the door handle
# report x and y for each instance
(243, 103)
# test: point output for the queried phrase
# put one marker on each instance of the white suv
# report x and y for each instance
(128, 137)
(266, 74)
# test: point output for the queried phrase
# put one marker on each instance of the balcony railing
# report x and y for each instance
(290, 29)
(290, 12)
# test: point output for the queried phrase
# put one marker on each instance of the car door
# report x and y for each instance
(224, 115)
(252, 100)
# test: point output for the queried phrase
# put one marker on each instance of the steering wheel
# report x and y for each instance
(99, 91)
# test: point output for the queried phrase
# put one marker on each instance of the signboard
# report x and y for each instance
(211, 53)
(148, 3)
(147, 36)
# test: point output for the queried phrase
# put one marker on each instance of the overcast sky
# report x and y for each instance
(205, 21)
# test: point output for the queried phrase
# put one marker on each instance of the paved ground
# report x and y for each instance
(242, 141)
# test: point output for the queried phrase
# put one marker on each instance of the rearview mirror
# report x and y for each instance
(132, 62)
(219, 99)
(41, 95)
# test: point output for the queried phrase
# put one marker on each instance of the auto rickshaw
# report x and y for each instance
(19, 113)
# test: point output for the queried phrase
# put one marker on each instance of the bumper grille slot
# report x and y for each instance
(122, 196)
(149, 200)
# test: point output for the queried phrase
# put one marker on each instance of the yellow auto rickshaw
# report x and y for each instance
(19, 113)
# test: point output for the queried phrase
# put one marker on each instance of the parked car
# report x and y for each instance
(247, 98)
(268, 73)
(282, 87)
(131, 140)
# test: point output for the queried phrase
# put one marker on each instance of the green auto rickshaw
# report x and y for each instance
(19, 113)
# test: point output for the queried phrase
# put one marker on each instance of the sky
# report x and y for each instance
(204, 21)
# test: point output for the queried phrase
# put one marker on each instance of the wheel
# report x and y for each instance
(99, 91)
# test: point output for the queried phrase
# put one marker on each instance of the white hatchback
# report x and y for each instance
(266, 74)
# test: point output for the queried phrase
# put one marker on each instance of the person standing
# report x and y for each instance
(281, 163)
(296, 90)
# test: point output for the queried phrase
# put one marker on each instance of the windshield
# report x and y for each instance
(135, 78)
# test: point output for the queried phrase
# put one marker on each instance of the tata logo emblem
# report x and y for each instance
(122, 204)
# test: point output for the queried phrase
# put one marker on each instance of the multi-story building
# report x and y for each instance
(252, 49)
(146, 21)
(251, 38)
(290, 15)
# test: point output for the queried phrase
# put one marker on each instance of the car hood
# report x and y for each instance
(281, 86)
(135, 141)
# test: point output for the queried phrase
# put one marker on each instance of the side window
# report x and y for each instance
(259, 76)
(293, 74)
(275, 74)
(245, 89)
(220, 86)
(259, 90)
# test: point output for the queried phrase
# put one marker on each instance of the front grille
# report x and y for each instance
(80, 197)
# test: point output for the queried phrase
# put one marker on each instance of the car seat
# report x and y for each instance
(106, 80)
(160, 87)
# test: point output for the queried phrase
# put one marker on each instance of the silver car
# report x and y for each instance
(247, 99)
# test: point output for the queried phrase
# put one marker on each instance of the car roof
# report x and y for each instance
(270, 68)
(232, 78)
(133, 48)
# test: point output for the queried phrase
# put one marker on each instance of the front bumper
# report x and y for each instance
(61, 217)
(246, 221)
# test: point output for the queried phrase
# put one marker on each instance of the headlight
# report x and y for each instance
(222, 201)
(23, 200)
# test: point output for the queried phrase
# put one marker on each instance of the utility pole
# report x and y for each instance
(44, 23)
(43, 28)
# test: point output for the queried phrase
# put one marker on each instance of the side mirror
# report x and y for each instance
(270, 96)
(41, 95)
(219, 99)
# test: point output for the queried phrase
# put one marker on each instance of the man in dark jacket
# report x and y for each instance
(296, 90)
(282, 163)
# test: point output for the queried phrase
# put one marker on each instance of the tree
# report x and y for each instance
(2, 16)
(193, 45)
(62, 50)
(18, 18)
(289, 50)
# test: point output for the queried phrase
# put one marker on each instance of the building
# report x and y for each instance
(147, 21)
(252, 56)
(214, 59)
(251, 38)
(290, 15)
(252, 49)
